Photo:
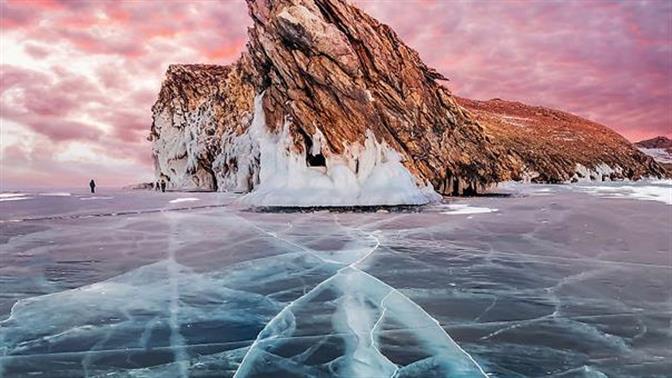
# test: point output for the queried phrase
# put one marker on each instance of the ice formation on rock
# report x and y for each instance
(363, 175)
(356, 118)
(342, 94)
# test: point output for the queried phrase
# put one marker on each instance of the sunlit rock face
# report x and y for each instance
(660, 149)
(338, 82)
(330, 106)
(555, 146)
(200, 110)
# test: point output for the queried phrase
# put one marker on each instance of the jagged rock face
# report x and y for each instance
(200, 110)
(331, 75)
(554, 146)
(327, 99)
(332, 69)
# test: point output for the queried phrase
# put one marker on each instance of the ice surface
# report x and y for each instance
(566, 284)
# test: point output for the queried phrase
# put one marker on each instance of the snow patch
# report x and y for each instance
(645, 190)
(463, 209)
(55, 194)
(654, 190)
(363, 175)
(95, 198)
(660, 155)
(186, 199)
(601, 172)
(13, 197)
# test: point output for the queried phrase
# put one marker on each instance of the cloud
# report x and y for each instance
(83, 74)
(608, 61)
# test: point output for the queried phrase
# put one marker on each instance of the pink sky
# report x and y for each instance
(78, 78)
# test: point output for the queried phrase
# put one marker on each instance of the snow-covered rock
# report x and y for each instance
(661, 155)
(371, 174)
(351, 116)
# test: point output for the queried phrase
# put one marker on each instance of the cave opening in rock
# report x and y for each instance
(317, 160)
(456, 187)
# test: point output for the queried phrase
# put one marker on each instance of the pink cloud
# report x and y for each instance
(608, 61)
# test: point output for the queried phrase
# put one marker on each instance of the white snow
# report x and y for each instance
(182, 144)
(649, 190)
(13, 197)
(645, 190)
(364, 175)
(601, 172)
(55, 194)
(185, 199)
(95, 198)
(658, 154)
(465, 209)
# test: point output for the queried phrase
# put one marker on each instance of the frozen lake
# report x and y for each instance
(550, 281)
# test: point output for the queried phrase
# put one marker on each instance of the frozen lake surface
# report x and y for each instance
(565, 281)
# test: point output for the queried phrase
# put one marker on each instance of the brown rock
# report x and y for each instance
(550, 143)
(327, 69)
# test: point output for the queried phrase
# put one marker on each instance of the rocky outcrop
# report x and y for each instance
(335, 71)
(657, 142)
(555, 146)
(330, 106)
(660, 149)
(200, 110)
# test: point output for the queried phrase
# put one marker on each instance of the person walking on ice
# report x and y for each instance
(92, 185)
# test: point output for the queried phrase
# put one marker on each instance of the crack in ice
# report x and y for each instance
(176, 339)
(313, 291)
(351, 271)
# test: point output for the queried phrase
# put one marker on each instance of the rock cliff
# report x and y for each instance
(555, 146)
(329, 106)
(660, 149)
